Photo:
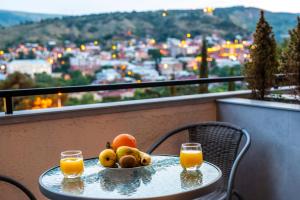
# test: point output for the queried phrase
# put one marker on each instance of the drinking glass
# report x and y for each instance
(191, 157)
(71, 164)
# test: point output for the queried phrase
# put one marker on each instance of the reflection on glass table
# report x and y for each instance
(125, 181)
(190, 178)
(73, 186)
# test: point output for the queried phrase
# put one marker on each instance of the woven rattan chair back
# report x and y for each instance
(221, 146)
(220, 143)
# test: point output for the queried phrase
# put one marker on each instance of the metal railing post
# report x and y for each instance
(8, 105)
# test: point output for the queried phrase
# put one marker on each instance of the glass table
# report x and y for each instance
(163, 179)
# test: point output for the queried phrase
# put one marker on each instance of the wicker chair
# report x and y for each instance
(18, 185)
(221, 146)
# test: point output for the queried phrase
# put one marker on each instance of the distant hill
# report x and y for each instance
(226, 22)
(10, 18)
(246, 17)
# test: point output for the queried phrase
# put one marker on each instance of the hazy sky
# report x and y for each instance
(96, 6)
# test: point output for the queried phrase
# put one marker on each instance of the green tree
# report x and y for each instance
(290, 59)
(263, 64)
(43, 80)
(17, 80)
(203, 69)
(21, 55)
(78, 79)
(31, 55)
(64, 64)
(86, 98)
(231, 85)
(156, 56)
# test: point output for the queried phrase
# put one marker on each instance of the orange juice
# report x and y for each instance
(191, 158)
(71, 167)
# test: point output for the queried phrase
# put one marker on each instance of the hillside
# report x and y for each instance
(226, 22)
(247, 18)
(10, 18)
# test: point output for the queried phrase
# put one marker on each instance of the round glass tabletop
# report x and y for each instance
(163, 179)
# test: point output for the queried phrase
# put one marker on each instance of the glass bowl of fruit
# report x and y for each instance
(123, 153)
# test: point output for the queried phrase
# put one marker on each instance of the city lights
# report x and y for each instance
(232, 57)
(152, 41)
(132, 59)
(51, 61)
(82, 47)
(2, 67)
(164, 13)
(165, 46)
(253, 46)
(208, 10)
(67, 77)
(123, 67)
(183, 44)
(213, 49)
(195, 67)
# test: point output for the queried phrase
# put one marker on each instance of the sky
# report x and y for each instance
(78, 7)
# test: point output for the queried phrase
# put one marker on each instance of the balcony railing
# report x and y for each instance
(8, 95)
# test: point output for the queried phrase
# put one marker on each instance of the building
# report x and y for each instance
(223, 62)
(108, 75)
(85, 63)
(170, 66)
(29, 67)
(188, 63)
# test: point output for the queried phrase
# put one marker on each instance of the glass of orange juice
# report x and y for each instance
(191, 157)
(71, 164)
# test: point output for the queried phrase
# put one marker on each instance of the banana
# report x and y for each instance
(125, 151)
(145, 158)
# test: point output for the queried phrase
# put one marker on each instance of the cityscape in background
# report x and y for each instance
(131, 59)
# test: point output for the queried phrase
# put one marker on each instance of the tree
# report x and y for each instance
(203, 69)
(156, 56)
(231, 85)
(64, 64)
(21, 55)
(290, 59)
(31, 55)
(17, 80)
(260, 70)
(78, 79)
(44, 80)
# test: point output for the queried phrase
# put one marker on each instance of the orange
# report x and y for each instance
(123, 140)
